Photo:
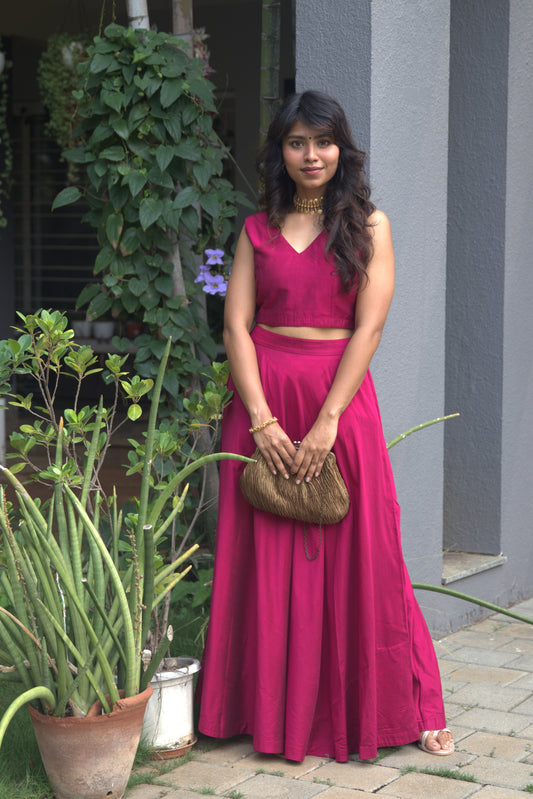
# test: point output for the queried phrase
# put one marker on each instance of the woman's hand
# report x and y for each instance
(276, 448)
(313, 450)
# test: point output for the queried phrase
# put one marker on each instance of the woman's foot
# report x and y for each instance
(437, 742)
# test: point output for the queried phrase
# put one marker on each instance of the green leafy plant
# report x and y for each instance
(176, 444)
(156, 196)
(44, 354)
(81, 608)
(57, 77)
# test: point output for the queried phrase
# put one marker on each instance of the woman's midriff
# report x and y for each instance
(326, 333)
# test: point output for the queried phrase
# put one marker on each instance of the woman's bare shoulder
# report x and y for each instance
(378, 219)
(379, 225)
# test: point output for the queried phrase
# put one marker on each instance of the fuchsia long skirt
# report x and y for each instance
(326, 657)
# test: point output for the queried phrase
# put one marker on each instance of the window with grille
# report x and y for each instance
(54, 250)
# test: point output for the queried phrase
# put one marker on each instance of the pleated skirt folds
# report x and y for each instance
(329, 656)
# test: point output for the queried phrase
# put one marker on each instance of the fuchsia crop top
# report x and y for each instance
(296, 289)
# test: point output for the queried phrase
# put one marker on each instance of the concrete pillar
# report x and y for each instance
(517, 394)
(409, 152)
(438, 94)
(387, 63)
(333, 54)
(476, 273)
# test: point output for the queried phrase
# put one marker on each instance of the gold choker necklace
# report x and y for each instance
(308, 206)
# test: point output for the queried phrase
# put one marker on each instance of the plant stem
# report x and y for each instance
(419, 427)
(40, 692)
(439, 589)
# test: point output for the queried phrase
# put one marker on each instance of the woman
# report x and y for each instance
(316, 644)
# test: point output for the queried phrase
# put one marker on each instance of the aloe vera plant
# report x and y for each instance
(80, 614)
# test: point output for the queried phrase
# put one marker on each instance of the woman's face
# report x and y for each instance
(311, 159)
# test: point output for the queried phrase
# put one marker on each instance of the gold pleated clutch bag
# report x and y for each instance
(324, 500)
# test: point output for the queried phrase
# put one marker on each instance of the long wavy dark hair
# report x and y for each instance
(347, 204)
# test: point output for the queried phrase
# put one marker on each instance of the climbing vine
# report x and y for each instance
(156, 197)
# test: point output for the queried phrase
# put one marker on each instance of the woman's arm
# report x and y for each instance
(373, 303)
(275, 445)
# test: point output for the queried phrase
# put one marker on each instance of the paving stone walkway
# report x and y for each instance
(487, 676)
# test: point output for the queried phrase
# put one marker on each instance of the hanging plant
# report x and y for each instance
(201, 50)
(6, 164)
(57, 77)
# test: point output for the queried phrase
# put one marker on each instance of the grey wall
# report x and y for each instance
(439, 94)
(387, 63)
(409, 140)
(333, 52)
(517, 402)
(494, 459)
(476, 248)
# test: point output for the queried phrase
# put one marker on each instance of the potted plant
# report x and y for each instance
(81, 590)
(169, 723)
(57, 76)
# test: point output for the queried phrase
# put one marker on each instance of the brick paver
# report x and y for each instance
(482, 718)
(266, 786)
(343, 793)
(523, 662)
(487, 675)
(422, 786)
(487, 657)
(502, 746)
(490, 792)
(290, 768)
(497, 771)
(200, 776)
(353, 774)
(145, 792)
(505, 698)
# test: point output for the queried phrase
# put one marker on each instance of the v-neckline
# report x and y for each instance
(301, 252)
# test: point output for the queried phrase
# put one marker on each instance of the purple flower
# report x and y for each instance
(202, 271)
(215, 257)
(215, 284)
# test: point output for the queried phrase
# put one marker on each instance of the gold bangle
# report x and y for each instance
(259, 427)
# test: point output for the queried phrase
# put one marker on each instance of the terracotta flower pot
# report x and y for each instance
(133, 329)
(91, 757)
